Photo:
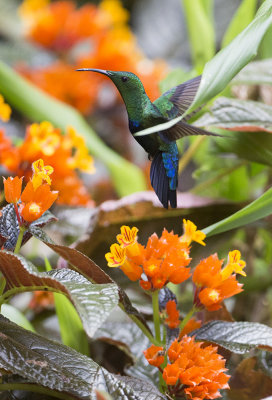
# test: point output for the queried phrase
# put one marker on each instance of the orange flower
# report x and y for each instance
(163, 260)
(173, 315)
(154, 355)
(171, 374)
(13, 189)
(216, 284)
(41, 300)
(36, 202)
(191, 325)
(199, 370)
(191, 234)
(5, 110)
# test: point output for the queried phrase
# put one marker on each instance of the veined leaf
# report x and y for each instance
(259, 208)
(93, 302)
(238, 115)
(39, 106)
(243, 16)
(40, 363)
(226, 64)
(255, 73)
(71, 328)
(238, 337)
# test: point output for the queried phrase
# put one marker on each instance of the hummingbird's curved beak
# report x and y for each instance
(100, 71)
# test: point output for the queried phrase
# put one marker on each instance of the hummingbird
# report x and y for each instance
(143, 113)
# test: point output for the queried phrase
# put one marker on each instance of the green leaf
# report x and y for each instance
(238, 115)
(71, 328)
(259, 208)
(243, 16)
(39, 106)
(201, 32)
(238, 337)
(226, 64)
(45, 364)
(16, 316)
(93, 303)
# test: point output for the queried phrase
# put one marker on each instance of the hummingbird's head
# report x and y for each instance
(126, 82)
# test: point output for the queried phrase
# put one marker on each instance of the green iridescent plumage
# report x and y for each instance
(161, 146)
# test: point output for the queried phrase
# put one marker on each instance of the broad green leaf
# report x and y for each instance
(39, 106)
(238, 337)
(93, 302)
(258, 209)
(265, 50)
(255, 73)
(41, 363)
(243, 16)
(201, 32)
(238, 115)
(71, 328)
(226, 64)
(16, 316)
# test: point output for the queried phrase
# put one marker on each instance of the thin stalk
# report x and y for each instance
(19, 240)
(204, 185)
(189, 153)
(187, 318)
(156, 315)
(141, 326)
(36, 389)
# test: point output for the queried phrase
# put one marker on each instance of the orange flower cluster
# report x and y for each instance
(215, 284)
(36, 197)
(194, 370)
(102, 31)
(163, 260)
(65, 153)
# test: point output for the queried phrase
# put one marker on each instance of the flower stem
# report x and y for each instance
(156, 315)
(19, 240)
(187, 318)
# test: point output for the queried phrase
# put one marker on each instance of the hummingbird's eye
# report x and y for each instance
(124, 78)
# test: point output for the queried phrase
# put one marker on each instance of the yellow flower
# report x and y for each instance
(81, 158)
(5, 110)
(234, 265)
(127, 236)
(116, 256)
(191, 234)
(41, 173)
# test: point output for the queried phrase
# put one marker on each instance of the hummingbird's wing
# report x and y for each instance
(176, 101)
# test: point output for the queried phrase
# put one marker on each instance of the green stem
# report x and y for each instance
(19, 240)
(141, 326)
(204, 185)
(156, 315)
(36, 389)
(188, 155)
(187, 318)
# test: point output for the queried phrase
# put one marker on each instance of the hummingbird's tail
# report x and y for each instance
(161, 182)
